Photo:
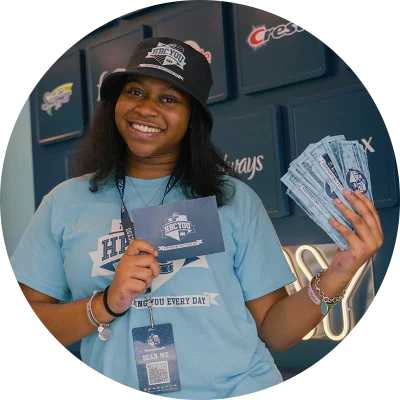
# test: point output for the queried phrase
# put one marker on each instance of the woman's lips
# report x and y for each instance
(152, 132)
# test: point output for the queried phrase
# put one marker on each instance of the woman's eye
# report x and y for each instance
(135, 92)
(169, 100)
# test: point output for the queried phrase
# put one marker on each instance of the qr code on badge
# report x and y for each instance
(158, 372)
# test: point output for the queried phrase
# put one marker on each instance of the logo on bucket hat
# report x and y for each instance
(168, 54)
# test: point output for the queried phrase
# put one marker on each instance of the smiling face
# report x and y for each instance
(152, 117)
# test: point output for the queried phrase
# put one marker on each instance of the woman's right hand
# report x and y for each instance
(134, 274)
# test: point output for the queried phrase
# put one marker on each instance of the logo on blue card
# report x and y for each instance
(177, 227)
(357, 181)
(153, 340)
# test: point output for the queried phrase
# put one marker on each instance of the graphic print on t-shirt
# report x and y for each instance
(111, 247)
(194, 300)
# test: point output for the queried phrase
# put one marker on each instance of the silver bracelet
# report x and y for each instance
(326, 302)
(103, 329)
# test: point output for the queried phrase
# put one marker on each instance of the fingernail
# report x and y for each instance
(338, 201)
(156, 253)
(347, 192)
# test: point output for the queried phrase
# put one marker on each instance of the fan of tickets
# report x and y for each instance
(321, 174)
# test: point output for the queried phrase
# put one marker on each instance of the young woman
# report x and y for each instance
(151, 135)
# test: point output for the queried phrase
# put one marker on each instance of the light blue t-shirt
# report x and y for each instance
(74, 242)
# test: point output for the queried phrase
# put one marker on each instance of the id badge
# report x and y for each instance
(156, 360)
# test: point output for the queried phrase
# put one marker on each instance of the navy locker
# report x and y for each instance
(202, 28)
(251, 141)
(59, 114)
(272, 51)
(58, 101)
(349, 111)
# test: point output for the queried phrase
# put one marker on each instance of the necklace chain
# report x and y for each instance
(146, 205)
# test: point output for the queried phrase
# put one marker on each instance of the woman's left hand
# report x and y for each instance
(368, 236)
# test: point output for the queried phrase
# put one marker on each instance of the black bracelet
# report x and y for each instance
(108, 308)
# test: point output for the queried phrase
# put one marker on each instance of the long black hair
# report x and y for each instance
(102, 151)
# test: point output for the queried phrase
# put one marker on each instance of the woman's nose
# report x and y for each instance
(147, 108)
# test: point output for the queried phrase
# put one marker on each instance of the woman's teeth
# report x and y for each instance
(145, 128)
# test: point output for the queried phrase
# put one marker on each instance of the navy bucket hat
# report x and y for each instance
(169, 60)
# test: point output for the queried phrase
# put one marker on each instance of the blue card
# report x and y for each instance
(186, 229)
(156, 361)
